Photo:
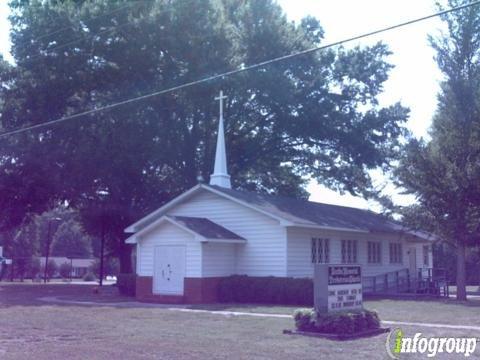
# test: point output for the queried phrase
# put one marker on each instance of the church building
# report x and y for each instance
(188, 245)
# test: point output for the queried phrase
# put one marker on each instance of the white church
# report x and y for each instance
(187, 246)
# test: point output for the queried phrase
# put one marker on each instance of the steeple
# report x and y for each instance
(220, 175)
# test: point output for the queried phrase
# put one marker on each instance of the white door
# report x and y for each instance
(169, 270)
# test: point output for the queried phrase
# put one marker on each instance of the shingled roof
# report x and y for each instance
(312, 213)
(206, 228)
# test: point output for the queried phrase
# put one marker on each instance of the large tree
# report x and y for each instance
(316, 115)
(444, 173)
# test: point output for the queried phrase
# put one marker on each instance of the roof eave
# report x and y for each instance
(322, 227)
(225, 241)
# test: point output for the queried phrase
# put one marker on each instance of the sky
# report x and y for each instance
(414, 81)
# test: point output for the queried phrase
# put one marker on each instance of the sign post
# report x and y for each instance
(337, 288)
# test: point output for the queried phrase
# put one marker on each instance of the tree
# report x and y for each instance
(23, 247)
(52, 269)
(443, 173)
(314, 116)
(70, 241)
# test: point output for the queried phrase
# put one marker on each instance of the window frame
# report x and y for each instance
(349, 251)
(374, 252)
(396, 253)
(320, 250)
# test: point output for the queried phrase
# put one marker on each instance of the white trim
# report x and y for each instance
(282, 221)
(134, 238)
(133, 228)
(171, 203)
(320, 227)
(224, 241)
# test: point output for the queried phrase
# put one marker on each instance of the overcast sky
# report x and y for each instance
(414, 80)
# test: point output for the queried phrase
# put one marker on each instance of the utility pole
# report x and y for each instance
(102, 248)
(47, 252)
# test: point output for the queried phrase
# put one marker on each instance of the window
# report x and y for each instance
(374, 253)
(425, 255)
(349, 251)
(395, 253)
(320, 251)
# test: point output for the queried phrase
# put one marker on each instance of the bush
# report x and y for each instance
(65, 270)
(126, 284)
(89, 277)
(350, 322)
(267, 290)
(34, 268)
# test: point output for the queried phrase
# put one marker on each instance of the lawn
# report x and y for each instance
(32, 329)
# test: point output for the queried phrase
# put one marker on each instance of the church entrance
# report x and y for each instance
(169, 270)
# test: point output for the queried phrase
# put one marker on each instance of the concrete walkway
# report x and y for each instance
(184, 308)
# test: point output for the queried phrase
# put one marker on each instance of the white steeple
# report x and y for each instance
(220, 175)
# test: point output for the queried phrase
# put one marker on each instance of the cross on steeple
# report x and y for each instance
(220, 99)
(220, 175)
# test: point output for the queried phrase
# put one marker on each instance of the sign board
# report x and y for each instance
(337, 288)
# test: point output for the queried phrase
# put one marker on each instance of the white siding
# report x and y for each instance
(264, 253)
(299, 262)
(168, 234)
(218, 259)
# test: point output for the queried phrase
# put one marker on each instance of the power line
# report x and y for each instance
(236, 71)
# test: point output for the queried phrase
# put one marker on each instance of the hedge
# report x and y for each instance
(350, 322)
(266, 290)
(126, 284)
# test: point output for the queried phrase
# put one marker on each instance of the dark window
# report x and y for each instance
(320, 251)
(349, 251)
(374, 252)
(395, 253)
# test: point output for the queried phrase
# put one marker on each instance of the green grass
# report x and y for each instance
(31, 329)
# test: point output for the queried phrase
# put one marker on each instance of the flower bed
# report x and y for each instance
(337, 325)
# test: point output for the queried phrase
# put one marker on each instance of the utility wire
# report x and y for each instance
(236, 71)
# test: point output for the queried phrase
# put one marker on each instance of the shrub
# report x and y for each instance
(304, 319)
(89, 277)
(126, 284)
(349, 322)
(34, 268)
(65, 270)
(267, 290)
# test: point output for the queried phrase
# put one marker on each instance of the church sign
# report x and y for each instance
(337, 288)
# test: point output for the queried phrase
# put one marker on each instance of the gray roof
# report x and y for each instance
(206, 228)
(313, 213)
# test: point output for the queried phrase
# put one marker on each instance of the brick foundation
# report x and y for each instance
(196, 291)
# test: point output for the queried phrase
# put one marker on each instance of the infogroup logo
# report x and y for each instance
(397, 343)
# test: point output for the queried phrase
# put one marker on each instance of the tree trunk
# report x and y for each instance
(125, 259)
(461, 275)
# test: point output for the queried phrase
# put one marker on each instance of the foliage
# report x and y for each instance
(70, 241)
(267, 290)
(65, 270)
(34, 268)
(313, 116)
(350, 322)
(89, 277)
(126, 284)
(110, 267)
(52, 269)
(443, 173)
